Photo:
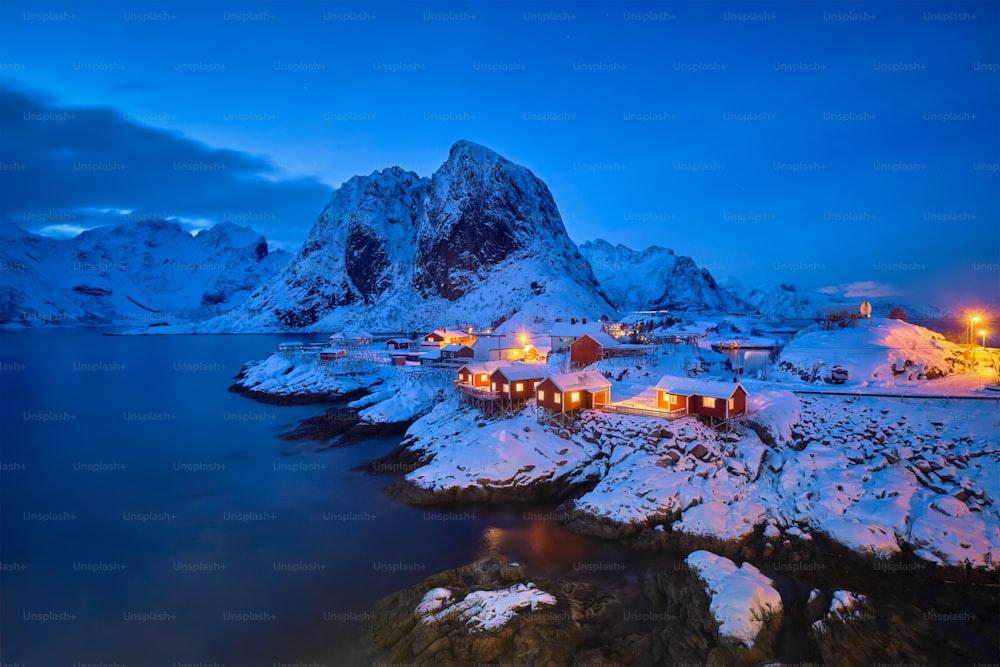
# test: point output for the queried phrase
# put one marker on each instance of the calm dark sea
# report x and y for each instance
(150, 517)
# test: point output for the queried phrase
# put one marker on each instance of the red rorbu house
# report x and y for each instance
(474, 375)
(516, 383)
(330, 354)
(573, 391)
(592, 347)
(717, 400)
(442, 337)
(399, 344)
(452, 352)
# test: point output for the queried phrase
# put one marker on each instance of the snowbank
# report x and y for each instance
(877, 351)
(777, 412)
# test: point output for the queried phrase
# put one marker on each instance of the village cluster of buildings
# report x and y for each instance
(586, 342)
(503, 388)
(502, 372)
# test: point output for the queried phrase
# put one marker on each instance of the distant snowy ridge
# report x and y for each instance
(792, 302)
(479, 241)
(134, 274)
(656, 279)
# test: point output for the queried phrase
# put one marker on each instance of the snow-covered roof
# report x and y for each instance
(567, 330)
(449, 333)
(586, 380)
(691, 386)
(400, 340)
(505, 342)
(481, 367)
(603, 339)
(455, 347)
(522, 372)
(432, 354)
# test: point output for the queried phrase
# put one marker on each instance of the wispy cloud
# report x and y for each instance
(68, 167)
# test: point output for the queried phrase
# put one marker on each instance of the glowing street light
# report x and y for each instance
(983, 334)
(973, 320)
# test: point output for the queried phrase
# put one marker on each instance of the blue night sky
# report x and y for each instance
(847, 146)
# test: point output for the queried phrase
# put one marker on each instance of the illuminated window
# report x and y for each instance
(535, 385)
(484, 377)
(557, 398)
(574, 397)
(519, 386)
(708, 402)
(541, 395)
(732, 403)
(494, 386)
(506, 387)
(673, 399)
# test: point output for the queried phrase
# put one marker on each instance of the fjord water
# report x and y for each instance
(151, 517)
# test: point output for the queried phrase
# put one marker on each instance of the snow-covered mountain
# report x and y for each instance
(787, 301)
(792, 302)
(479, 241)
(656, 279)
(132, 274)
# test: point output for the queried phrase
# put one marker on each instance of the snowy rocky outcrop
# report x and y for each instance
(476, 242)
(483, 610)
(471, 460)
(295, 379)
(656, 279)
(743, 599)
(132, 274)
(880, 477)
(871, 476)
(487, 612)
(874, 351)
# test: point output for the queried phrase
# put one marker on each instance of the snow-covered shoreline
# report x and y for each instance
(888, 485)
(886, 478)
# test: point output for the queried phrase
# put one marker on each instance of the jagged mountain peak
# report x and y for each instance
(656, 279)
(478, 241)
(463, 148)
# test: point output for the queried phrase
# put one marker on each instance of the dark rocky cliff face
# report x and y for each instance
(481, 228)
(482, 210)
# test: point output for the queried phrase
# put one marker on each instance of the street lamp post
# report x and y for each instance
(972, 321)
(983, 334)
